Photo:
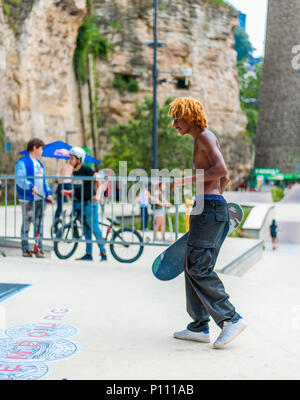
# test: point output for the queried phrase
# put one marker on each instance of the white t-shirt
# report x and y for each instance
(144, 199)
(38, 183)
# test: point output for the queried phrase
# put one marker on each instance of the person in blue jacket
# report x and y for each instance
(32, 190)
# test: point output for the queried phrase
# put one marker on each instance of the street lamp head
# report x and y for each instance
(251, 101)
(187, 72)
(160, 43)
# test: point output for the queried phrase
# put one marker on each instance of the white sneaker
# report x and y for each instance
(202, 337)
(229, 332)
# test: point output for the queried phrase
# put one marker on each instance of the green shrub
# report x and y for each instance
(277, 193)
(125, 83)
(89, 41)
(117, 26)
(181, 224)
(221, 2)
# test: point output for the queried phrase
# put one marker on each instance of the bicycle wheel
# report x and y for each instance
(65, 247)
(58, 224)
(127, 253)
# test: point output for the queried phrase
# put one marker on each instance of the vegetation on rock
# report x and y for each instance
(133, 141)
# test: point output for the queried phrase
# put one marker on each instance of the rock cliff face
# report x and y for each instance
(39, 95)
(37, 84)
(199, 37)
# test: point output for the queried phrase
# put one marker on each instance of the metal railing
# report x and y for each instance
(121, 205)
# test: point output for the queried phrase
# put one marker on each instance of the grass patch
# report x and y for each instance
(221, 2)
(181, 227)
(137, 222)
(277, 193)
(246, 213)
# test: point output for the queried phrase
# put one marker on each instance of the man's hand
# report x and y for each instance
(35, 191)
(223, 183)
(96, 198)
(50, 199)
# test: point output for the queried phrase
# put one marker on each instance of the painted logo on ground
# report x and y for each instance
(27, 347)
(17, 371)
(41, 329)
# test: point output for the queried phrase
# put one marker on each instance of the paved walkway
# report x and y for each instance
(126, 319)
(286, 213)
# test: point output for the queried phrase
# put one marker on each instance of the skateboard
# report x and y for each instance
(170, 263)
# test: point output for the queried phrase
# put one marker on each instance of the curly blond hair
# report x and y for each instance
(189, 109)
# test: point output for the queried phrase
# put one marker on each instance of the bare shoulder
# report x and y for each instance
(208, 139)
(67, 167)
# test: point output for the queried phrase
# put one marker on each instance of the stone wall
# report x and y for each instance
(38, 91)
(199, 36)
(39, 94)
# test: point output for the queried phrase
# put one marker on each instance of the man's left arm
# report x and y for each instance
(97, 186)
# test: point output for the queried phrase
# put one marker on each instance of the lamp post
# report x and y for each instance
(155, 74)
(156, 44)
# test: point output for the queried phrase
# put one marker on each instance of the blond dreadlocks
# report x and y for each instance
(189, 109)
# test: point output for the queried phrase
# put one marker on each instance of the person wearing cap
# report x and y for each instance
(33, 190)
(87, 196)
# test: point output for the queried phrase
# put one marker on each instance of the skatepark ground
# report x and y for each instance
(125, 317)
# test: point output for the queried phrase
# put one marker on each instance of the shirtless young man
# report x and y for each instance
(205, 292)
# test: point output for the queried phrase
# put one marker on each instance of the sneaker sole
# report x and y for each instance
(191, 339)
(221, 345)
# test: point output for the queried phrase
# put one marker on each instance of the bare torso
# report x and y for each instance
(201, 159)
(67, 171)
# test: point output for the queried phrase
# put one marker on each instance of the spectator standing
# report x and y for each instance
(87, 195)
(159, 203)
(32, 190)
(144, 196)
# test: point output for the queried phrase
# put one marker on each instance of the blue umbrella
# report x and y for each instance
(61, 149)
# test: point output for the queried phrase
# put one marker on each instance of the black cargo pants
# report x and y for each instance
(205, 293)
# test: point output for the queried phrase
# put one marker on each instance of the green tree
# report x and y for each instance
(89, 41)
(132, 142)
(243, 45)
(90, 46)
(250, 84)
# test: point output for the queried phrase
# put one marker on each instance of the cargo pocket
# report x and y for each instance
(202, 231)
(199, 261)
(221, 212)
(198, 255)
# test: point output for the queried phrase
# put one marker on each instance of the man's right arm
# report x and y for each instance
(22, 181)
(223, 183)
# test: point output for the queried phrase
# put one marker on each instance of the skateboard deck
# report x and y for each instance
(170, 263)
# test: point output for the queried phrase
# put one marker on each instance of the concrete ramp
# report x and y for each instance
(238, 255)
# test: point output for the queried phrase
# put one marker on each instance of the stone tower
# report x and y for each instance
(278, 130)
